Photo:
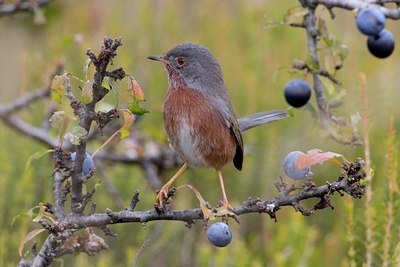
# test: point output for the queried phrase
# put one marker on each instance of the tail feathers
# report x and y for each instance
(256, 119)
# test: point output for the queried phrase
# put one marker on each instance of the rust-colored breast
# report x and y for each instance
(196, 133)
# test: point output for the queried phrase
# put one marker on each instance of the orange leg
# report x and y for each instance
(163, 193)
(226, 207)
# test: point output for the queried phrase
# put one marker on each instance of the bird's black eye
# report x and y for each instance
(181, 61)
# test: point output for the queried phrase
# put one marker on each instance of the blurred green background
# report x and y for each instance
(250, 56)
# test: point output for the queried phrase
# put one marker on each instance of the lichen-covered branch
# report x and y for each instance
(349, 182)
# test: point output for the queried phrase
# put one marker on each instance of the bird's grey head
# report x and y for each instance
(195, 65)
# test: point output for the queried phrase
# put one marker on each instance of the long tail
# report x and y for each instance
(256, 119)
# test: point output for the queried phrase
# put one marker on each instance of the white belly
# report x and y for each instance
(187, 144)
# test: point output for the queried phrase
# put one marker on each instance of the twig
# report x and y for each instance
(312, 44)
(358, 4)
(105, 143)
(31, 131)
(134, 201)
(145, 243)
(22, 6)
(24, 101)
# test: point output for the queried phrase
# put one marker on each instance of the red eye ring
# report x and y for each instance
(181, 61)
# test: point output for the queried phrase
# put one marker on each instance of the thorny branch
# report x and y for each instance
(61, 239)
(350, 181)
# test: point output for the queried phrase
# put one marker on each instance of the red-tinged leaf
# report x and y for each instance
(135, 90)
(317, 156)
(57, 88)
(87, 92)
(27, 238)
(137, 97)
(129, 119)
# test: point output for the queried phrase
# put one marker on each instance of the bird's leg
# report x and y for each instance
(163, 192)
(225, 208)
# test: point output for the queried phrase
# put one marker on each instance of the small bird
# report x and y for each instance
(199, 119)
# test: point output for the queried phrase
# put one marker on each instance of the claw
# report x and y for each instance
(164, 194)
(164, 197)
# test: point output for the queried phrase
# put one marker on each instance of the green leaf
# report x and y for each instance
(110, 84)
(270, 22)
(57, 88)
(60, 121)
(342, 49)
(36, 156)
(329, 86)
(31, 213)
(18, 217)
(136, 109)
(42, 214)
(311, 63)
(87, 92)
(290, 111)
(76, 135)
(295, 15)
(312, 110)
(106, 85)
(97, 184)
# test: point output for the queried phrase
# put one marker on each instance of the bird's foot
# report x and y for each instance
(204, 205)
(164, 197)
(224, 209)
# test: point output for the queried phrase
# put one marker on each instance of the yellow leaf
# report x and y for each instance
(129, 119)
(27, 238)
(57, 88)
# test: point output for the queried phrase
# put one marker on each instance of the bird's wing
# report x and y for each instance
(223, 107)
(235, 131)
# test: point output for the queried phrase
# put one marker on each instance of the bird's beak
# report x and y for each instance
(158, 58)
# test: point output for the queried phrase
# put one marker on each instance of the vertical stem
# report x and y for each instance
(58, 196)
(391, 187)
(312, 44)
(46, 253)
(369, 209)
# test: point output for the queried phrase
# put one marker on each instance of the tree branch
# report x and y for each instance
(350, 182)
(391, 13)
(21, 6)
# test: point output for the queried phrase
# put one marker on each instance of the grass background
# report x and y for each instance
(252, 58)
